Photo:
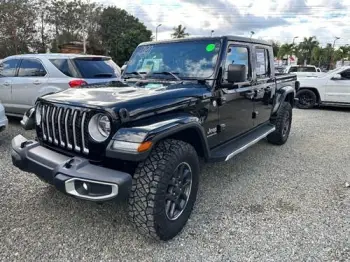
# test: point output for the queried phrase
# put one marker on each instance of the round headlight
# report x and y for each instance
(38, 115)
(99, 127)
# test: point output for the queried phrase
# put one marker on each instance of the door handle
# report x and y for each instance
(36, 82)
(6, 83)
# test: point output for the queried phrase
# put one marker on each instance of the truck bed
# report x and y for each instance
(283, 79)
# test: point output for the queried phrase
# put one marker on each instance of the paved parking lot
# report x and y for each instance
(270, 203)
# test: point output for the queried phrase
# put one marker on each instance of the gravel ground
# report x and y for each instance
(270, 203)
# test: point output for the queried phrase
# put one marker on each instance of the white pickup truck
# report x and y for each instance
(303, 70)
(331, 88)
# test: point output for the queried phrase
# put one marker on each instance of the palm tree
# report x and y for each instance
(319, 55)
(179, 32)
(307, 46)
(342, 53)
(286, 50)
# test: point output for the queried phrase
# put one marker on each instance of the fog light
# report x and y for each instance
(85, 186)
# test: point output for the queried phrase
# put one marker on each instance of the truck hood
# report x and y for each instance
(134, 99)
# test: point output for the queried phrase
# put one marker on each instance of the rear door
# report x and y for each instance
(8, 70)
(32, 76)
(97, 69)
(338, 90)
(264, 86)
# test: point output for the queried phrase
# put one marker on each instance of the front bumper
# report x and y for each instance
(72, 175)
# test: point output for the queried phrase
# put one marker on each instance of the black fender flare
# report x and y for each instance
(154, 132)
(281, 95)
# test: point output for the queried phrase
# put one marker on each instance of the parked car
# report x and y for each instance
(332, 88)
(3, 118)
(303, 70)
(24, 78)
(182, 99)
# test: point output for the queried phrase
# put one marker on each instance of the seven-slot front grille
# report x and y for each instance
(65, 127)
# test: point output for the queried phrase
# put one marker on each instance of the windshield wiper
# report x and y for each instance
(140, 74)
(173, 74)
(103, 74)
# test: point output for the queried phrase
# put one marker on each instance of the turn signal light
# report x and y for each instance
(144, 146)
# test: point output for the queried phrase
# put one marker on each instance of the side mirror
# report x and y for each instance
(236, 73)
(336, 77)
(28, 120)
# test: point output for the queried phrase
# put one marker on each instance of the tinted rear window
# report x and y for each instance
(302, 69)
(96, 67)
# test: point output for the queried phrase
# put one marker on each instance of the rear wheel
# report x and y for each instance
(306, 99)
(164, 190)
(283, 124)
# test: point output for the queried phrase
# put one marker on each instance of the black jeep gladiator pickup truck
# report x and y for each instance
(142, 138)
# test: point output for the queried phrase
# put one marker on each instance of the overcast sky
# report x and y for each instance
(270, 19)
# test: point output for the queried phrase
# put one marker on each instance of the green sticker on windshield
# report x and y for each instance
(210, 47)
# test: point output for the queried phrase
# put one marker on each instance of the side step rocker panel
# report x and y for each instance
(241, 143)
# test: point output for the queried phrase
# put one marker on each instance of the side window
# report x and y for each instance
(293, 69)
(345, 74)
(237, 55)
(30, 68)
(262, 63)
(64, 66)
(8, 68)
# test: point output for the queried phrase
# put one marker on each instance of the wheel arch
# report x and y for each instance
(313, 89)
(187, 129)
(286, 93)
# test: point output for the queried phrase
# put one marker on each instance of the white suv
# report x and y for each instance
(24, 78)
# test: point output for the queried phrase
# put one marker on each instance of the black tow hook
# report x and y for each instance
(69, 163)
(25, 143)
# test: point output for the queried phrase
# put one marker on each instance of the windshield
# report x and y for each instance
(187, 59)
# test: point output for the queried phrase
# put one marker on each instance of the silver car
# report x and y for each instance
(3, 118)
(24, 78)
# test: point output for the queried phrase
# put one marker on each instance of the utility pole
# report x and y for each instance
(157, 31)
(251, 34)
(212, 31)
(84, 39)
(295, 38)
(332, 59)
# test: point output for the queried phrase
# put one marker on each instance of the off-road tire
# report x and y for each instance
(284, 117)
(311, 97)
(147, 201)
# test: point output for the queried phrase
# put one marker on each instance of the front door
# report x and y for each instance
(32, 76)
(338, 90)
(264, 87)
(235, 114)
(8, 70)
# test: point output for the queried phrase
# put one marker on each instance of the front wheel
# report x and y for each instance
(283, 124)
(306, 99)
(164, 190)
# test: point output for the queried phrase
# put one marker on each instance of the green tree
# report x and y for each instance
(179, 32)
(286, 50)
(74, 21)
(17, 27)
(342, 53)
(306, 47)
(275, 46)
(121, 33)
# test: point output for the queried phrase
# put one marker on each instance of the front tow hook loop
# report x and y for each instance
(69, 163)
(25, 143)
